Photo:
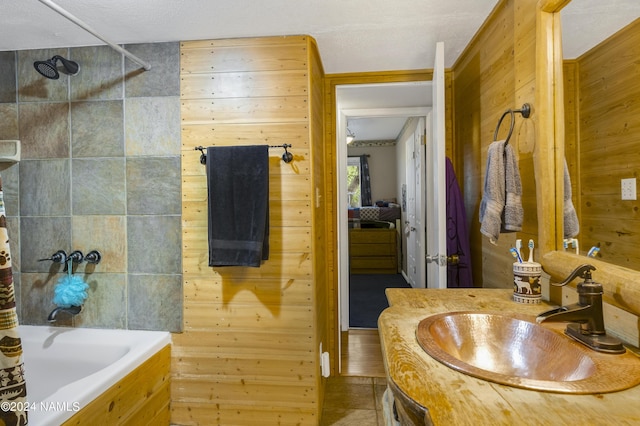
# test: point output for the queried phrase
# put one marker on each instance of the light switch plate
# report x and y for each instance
(628, 189)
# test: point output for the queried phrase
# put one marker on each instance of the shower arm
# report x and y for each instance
(87, 28)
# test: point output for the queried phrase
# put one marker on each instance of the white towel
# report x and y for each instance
(501, 205)
(571, 224)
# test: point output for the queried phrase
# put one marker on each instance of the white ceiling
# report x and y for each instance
(585, 23)
(352, 35)
(372, 107)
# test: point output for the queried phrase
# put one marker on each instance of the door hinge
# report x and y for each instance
(424, 139)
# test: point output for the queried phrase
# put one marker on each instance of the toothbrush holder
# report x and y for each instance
(526, 282)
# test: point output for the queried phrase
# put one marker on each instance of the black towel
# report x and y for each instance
(238, 190)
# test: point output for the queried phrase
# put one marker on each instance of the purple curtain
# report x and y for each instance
(457, 235)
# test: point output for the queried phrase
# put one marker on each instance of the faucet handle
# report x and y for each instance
(582, 271)
(93, 256)
(58, 257)
(76, 256)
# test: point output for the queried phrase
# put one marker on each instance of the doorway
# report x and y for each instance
(380, 101)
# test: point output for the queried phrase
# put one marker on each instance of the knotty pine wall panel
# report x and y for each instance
(603, 125)
(494, 73)
(249, 350)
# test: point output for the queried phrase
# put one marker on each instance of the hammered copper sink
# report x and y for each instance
(516, 351)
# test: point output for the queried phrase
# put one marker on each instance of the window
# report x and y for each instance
(353, 182)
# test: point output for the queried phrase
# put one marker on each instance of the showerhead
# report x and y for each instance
(49, 68)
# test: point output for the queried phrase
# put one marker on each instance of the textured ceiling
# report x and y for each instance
(352, 35)
(585, 23)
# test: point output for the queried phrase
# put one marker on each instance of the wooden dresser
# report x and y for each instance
(373, 251)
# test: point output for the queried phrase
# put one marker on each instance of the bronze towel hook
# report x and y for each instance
(525, 111)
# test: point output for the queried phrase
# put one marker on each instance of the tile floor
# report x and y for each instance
(353, 401)
(355, 397)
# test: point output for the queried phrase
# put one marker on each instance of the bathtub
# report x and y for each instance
(67, 368)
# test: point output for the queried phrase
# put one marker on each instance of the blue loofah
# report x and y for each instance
(70, 291)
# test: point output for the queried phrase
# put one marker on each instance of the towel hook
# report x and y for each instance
(525, 111)
(287, 157)
(203, 155)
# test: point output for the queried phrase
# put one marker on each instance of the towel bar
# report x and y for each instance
(287, 157)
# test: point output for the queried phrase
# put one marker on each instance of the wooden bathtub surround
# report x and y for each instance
(454, 398)
(249, 353)
(140, 398)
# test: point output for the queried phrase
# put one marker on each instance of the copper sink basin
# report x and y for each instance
(516, 351)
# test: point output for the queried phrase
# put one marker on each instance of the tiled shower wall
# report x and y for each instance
(100, 169)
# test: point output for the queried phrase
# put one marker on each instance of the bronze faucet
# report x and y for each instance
(585, 318)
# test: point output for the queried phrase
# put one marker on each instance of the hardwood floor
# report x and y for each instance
(361, 353)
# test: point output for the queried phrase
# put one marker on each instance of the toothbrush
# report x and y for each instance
(593, 251)
(519, 247)
(516, 254)
(530, 251)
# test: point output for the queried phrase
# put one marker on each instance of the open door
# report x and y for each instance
(436, 201)
(414, 227)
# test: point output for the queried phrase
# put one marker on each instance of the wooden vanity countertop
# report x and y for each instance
(454, 398)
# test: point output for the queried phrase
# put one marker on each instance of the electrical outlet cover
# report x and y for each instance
(628, 188)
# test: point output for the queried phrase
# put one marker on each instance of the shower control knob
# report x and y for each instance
(93, 256)
(76, 256)
(58, 257)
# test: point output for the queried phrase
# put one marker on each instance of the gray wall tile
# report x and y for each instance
(37, 298)
(100, 75)
(44, 130)
(44, 187)
(154, 244)
(69, 191)
(155, 302)
(152, 126)
(9, 121)
(163, 79)
(97, 129)
(108, 235)
(34, 87)
(40, 237)
(8, 92)
(98, 186)
(10, 175)
(153, 185)
(106, 304)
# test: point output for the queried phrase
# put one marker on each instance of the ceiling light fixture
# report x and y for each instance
(350, 136)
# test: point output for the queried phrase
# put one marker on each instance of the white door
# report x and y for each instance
(420, 214)
(415, 225)
(436, 200)
(409, 228)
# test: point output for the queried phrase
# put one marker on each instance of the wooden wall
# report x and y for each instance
(602, 111)
(249, 351)
(496, 72)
